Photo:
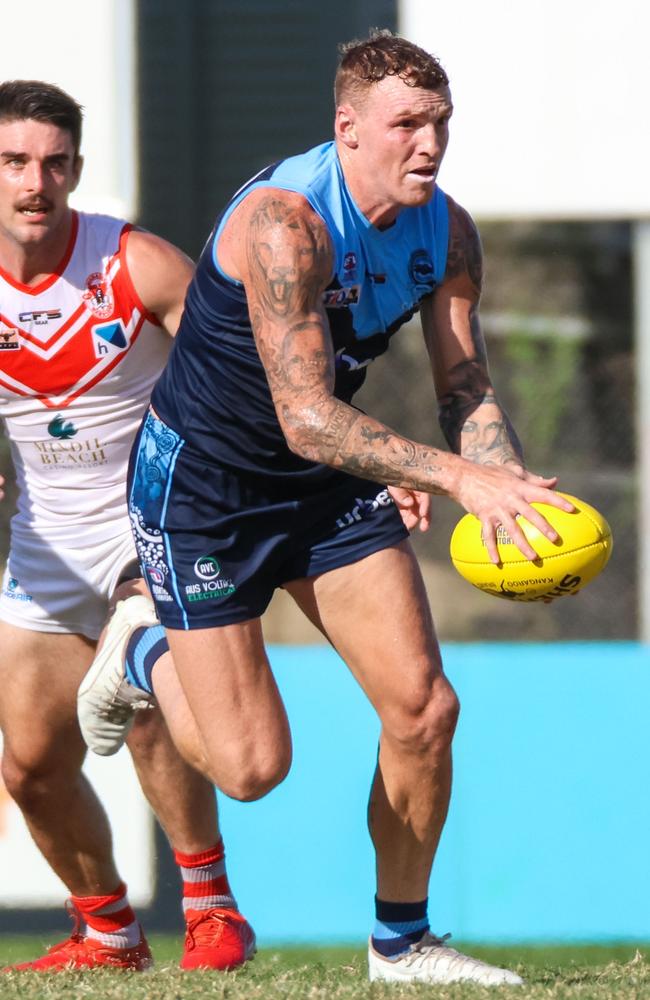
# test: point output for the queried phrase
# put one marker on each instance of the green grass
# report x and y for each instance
(589, 972)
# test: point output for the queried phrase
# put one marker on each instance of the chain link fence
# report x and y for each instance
(557, 317)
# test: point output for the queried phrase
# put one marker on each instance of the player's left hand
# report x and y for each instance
(414, 507)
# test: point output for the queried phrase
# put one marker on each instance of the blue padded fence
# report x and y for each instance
(549, 829)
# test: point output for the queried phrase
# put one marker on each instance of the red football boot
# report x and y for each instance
(217, 939)
(79, 952)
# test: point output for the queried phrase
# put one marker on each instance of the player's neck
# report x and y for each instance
(381, 213)
(32, 262)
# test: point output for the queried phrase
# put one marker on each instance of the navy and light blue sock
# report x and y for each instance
(144, 649)
(398, 926)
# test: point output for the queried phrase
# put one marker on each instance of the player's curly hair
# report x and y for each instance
(24, 100)
(365, 62)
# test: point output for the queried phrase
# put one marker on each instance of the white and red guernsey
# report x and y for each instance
(79, 354)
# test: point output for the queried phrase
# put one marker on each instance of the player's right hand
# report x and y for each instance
(497, 495)
(2, 492)
(414, 507)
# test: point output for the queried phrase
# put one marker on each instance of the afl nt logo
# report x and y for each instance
(207, 568)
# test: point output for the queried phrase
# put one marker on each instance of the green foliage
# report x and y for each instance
(615, 972)
(543, 373)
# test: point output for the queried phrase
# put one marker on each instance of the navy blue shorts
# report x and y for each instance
(214, 546)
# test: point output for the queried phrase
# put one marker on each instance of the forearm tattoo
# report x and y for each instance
(470, 416)
(290, 262)
(472, 420)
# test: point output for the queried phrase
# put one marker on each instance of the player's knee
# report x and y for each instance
(426, 725)
(28, 783)
(256, 777)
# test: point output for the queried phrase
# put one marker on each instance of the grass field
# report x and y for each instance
(619, 972)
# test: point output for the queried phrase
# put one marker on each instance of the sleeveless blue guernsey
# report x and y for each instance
(214, 391)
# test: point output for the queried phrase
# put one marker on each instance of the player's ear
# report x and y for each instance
(76, 171)
(345, 125)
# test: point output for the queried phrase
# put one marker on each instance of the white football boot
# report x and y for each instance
(106, 701)
(429, 960)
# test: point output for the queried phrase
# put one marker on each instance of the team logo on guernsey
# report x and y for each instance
(421, 270)
(350, 265)
(61, 429)
(98, 295)
(9, 340)
(339, 298)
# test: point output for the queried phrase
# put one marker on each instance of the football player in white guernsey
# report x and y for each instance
(87, 307)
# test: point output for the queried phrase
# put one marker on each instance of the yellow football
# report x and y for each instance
(562, 567)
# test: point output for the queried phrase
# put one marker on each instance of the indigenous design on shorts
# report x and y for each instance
(159, 448)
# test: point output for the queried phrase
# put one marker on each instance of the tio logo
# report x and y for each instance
(207, 568)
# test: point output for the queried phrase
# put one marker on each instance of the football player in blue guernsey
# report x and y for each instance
(255, 471)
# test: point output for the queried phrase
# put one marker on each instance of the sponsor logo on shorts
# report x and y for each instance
(14, 591)
(209, 590)
(207, 568)
(363, 509)
(160, 594)
(9, 339)
(156, 575)
(158, 583)
(213, 586)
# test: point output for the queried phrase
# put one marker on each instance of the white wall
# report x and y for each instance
(88, 50)
(26, 879)
(550, 100)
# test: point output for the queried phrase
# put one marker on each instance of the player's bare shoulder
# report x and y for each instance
(147, 253)
(160, 273)
(465, 255)
(280, 248)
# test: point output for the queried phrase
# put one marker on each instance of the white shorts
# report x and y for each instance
(62, 584)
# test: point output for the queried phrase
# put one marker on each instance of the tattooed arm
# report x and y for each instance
(280, 249)
(471, 418)
(288, 264)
